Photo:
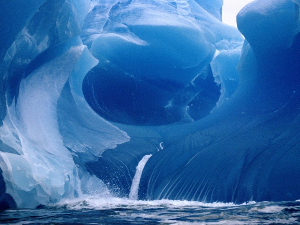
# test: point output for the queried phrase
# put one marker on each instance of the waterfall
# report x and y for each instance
(134, 190)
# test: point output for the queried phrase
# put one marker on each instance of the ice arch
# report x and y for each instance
(215, 132)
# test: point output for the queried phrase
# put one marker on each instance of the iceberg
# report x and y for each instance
(91, 89)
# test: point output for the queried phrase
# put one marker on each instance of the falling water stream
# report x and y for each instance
(134, 190)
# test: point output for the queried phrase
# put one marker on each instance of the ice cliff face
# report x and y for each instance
(91, 87)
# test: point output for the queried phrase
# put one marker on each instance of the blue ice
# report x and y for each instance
(89, 88)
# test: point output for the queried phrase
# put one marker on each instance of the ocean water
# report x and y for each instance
(93, 210)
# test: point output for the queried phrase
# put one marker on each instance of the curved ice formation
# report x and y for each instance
(90, 87)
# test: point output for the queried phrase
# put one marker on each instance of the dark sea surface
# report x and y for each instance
(124, 211)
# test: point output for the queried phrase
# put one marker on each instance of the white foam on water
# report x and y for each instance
(100, 202)
(268, 209)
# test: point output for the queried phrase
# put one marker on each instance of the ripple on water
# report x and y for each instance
(93, 210)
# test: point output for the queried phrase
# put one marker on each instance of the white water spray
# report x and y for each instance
(134, 190)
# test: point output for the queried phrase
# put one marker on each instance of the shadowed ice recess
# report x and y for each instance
(148, 100)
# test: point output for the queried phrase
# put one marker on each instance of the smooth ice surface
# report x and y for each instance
(89, 88)
(154, 60)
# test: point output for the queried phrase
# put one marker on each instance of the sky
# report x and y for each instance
(231, 9)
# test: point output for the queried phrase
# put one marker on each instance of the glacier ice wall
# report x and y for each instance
(45, 108)
(89, 88)
(248, 148)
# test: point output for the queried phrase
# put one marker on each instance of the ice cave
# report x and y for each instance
(148, 99)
